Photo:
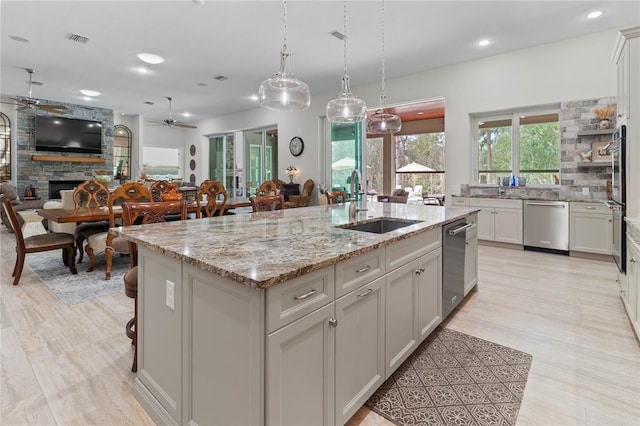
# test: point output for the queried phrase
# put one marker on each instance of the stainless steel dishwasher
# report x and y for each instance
(546, 226)
(454, 241)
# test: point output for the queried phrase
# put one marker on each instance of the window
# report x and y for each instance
(5, 147)
(420, 163)
(121, 152)
(524, 143)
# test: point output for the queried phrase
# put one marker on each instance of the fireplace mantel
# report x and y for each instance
(67, 159)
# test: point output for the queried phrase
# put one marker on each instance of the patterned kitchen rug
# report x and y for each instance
(455, 379)
(72, 289)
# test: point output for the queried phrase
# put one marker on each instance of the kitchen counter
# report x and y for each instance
(265, 249)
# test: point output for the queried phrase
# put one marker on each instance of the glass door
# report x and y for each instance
(262, 159)
(121, 153)
(5, 147)
(222, 161)
(346, 155)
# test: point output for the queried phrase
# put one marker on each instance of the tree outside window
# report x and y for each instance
(424, 149)
(526, 145)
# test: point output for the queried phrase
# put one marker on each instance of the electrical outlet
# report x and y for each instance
(171, 293)
(585, 191)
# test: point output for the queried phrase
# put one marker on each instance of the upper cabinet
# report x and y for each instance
(625, 56)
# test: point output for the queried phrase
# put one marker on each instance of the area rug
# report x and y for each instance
(455, 379)
(72, 289)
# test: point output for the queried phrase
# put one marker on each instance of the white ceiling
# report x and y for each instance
(242, 40)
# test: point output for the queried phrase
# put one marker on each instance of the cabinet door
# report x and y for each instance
(485, 224)
(359, 347)
(508, 226)
(400, 315)
(591, 233)
(300, 371)
(429, 294)
(633, 278)
(623, 85)
(471, 260)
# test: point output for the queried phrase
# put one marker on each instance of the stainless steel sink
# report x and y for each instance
(379, 225)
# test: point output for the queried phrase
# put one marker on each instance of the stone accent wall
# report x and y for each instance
(39, 173)
(578, 116)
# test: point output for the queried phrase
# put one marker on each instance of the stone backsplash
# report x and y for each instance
(38, 173)
(575, 117)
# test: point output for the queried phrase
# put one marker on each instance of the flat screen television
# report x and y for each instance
(68, 135)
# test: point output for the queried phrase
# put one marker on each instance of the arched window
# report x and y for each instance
(5, 147)
(121, 152)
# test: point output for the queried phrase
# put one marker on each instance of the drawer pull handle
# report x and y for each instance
(590, 208)
(419, 271)
(304, 296)
(365, 269)
(632, 259)
(333, 322)
(366, 293)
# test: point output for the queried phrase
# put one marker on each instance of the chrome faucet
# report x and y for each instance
(353, 210)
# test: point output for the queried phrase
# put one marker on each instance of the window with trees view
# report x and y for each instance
(420, 162)
(523, 143)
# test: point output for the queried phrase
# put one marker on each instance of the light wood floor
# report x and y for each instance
(70, 365)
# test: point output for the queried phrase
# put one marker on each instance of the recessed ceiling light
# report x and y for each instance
(18, 38)
(89, 92)
(595, 14)
(142, 70)
(150, 58)
(484, 42)
(186, 114)
(254, 98)
(87, 98)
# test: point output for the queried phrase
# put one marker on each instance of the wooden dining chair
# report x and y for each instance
(212, 190)
(108, 243)
(268, 187)
(336, 197)
(38, 243)
(92, 194)
(267, 203)
(158, 189)
(143, 213)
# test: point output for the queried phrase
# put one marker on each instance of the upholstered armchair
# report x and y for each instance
(304, 198)
(397, 196)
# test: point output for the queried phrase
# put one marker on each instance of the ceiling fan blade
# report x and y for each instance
(185, 125)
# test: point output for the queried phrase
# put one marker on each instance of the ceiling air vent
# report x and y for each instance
(149, 103)
(77, 38)
(220, 78)
(337, 34)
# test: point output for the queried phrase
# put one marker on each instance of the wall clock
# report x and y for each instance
(296, 146)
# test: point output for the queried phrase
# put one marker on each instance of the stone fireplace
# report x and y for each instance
(55, 186)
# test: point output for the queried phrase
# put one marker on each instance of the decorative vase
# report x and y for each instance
(171, 194)
(604, 124)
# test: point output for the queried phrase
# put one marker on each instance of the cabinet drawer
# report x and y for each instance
(296, 298)
(601, 208)
(496, 203)
(407, 250)
(353, 273)
(460, 201)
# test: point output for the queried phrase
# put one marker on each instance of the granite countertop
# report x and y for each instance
(261, 250)
(540, 196)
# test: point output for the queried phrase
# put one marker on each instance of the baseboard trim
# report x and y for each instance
(501, 245)
(151, 405)
(592, 256)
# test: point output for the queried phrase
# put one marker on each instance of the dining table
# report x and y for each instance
(97, 214)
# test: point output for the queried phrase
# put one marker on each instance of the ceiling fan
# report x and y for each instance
(170, 122)
(33, 103)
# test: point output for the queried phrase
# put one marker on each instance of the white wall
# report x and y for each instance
(573, 69)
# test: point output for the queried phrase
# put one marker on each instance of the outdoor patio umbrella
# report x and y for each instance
(413, 168)
(346, 163)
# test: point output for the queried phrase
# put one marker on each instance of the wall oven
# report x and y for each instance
(617, 203)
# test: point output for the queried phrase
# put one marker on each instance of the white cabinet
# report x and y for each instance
(632, 299)
(359, 349)
(471, 255)
(460, 201)
(413, 299)
(300, 371)
(499, 219)
(590, 228)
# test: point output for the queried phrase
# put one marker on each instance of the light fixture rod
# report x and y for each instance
(383, 96)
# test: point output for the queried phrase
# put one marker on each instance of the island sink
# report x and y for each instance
(380, 225)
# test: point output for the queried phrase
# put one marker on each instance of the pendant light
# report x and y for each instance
(383, 121)
(346, 108)
(283, 91)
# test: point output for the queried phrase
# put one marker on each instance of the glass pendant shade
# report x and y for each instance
(383, 122)
(346, 108)
(283, 91)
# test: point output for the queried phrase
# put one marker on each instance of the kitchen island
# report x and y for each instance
(282, 317)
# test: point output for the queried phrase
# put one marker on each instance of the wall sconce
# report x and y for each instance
(291, 172)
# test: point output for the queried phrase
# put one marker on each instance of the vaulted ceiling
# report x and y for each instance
(204, 39)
